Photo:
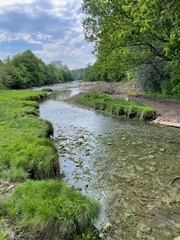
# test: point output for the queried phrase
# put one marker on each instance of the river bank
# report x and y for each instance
(168, 110)
(127, 165)
(29, 174)
(115, 106)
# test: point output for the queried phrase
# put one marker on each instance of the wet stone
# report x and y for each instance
(151, 156)
(129, 163)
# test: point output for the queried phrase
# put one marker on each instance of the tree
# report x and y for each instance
(89, 74)
(67, 74)
(26, 70)
(31, 69)
(130, 33)
(62, 72)
(78, 74)
(9, 76)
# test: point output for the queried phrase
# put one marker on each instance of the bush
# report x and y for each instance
(166, 87)
(150, 75)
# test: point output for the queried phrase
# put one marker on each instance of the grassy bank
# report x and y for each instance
(46, 209)
(25, 150)
(116, 106)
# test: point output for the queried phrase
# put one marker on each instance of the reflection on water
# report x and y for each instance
(126, 164)
(64, 94)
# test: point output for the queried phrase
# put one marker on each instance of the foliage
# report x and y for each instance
(30, 68)
(127, 34)
(150, 76)
(117, 106)
(90, 74)
(26, 70)
(49, 209)
(61, 72)
(25, 150)
(95, 72)
(9, 76)
(78, 74)
(166, 87)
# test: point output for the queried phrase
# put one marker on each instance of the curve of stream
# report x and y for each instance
(126, 164)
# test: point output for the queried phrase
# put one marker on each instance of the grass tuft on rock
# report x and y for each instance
(48, 209)
(116, 106)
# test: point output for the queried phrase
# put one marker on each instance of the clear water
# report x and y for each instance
(126, 164)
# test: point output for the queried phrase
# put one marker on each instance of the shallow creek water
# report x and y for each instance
(126, 164)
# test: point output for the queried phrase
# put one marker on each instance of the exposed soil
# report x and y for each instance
(164, 107)
(168, 110)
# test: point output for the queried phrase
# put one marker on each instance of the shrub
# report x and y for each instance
(166, 87)
(150, 75)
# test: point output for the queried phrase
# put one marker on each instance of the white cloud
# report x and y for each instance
(52, 28)
(13, 2)
(9, 37)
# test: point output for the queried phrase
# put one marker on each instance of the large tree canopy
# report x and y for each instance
(130, 33)
(26, 70)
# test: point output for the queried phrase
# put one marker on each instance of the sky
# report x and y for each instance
(51, 29)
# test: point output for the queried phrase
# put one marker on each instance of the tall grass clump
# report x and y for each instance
(48, 209)
(116, 106)
(3, 235)
(25, 149)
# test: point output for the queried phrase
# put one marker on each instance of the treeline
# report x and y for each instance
(25, 70)
(86, 74)
(78, 74)
(135, 39)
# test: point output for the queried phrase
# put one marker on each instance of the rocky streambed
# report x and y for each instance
(127, 165)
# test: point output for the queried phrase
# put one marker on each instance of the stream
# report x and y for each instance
(127, 165)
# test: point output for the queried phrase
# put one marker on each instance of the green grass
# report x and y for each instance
(25, 150)
(162, 96)
(116, 106)
(3, 235)
(48, 209)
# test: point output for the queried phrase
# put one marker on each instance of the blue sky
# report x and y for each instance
(51, 29)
